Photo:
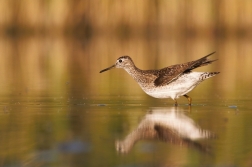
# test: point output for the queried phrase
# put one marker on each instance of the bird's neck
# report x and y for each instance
(134, 72)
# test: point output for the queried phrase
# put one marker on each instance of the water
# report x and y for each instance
(57, 110)
(55, 131)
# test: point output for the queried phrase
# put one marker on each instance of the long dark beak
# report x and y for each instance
(106, 69)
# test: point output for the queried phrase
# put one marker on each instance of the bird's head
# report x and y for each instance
(121, 62)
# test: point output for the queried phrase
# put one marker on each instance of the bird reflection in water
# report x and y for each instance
(168, 125)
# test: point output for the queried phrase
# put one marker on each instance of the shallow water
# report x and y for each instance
(57, 110)
(124, 131)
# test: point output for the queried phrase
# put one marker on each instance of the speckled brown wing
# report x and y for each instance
(171, 73)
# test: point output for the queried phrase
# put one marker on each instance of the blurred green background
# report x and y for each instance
(51, 52)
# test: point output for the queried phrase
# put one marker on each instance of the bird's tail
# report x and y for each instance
(207, 75)
(202, 62)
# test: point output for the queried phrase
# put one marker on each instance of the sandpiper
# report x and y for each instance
(169, 82)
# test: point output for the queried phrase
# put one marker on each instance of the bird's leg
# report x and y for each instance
(189, 99)
(176, 103)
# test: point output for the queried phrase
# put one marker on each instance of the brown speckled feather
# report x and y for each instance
(171, 73)
(170, 82)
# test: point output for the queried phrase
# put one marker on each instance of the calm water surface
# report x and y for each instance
(124, 131)
(57, 110)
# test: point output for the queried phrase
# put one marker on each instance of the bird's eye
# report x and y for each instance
(120, 61)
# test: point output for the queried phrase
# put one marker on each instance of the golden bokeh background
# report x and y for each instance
(51, 52)
(44, 44)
